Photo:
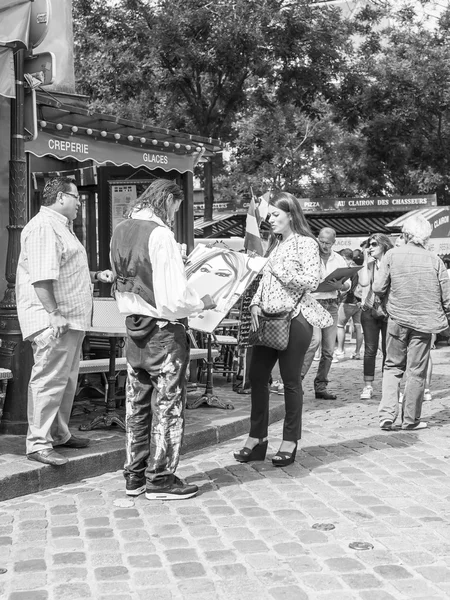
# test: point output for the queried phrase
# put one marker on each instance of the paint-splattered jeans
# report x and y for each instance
(155, 402)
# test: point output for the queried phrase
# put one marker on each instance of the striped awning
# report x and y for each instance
(437, 216)
(223, 225)
(428, 213)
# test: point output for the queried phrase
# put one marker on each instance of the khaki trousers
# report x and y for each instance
(51, 390)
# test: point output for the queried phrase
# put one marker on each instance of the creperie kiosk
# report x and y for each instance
(112, 161)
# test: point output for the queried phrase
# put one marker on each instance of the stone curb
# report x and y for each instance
(106, 456)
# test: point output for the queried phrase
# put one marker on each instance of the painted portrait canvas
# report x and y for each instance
(224, 275)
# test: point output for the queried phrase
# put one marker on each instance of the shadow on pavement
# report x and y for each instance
(309, 458)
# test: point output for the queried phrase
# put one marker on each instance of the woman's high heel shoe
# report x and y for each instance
(283, 459)
(258, 452)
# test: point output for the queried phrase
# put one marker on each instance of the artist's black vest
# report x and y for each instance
(130, 261)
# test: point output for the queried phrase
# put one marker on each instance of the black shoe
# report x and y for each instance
(48, 456)
(283, 459)
(325, 395)
(74, 442)
(135, 485)
(258, 452)
(170, 489)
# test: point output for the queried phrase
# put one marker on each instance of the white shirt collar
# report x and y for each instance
(146, 214)
(55, 215)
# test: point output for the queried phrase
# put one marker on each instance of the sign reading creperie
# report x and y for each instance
(68, 146)
(102, 151)
(394, 204)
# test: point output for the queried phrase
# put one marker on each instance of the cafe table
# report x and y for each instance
(110, 416)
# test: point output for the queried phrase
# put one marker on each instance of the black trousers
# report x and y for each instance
(155, 403)
(291, 361)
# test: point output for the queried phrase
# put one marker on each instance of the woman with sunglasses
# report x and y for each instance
(373, 315)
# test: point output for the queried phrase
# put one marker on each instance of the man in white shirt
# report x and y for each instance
(151, 288)
(54, 297)
(330, 261)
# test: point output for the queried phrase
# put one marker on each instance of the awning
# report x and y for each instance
(67, 129)
(223, 225)
(15, 23)
(83, 148)
(438, 217)
(352, 224)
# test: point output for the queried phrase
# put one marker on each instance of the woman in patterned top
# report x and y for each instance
(292, 271)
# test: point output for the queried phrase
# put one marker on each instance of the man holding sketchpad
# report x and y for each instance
(335, 278)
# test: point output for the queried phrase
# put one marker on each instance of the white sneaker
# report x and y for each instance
(367, 392)
(339, 354)
(427, 395)
(275, 385)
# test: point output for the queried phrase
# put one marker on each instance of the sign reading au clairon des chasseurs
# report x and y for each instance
(102, 152)
(348, 205)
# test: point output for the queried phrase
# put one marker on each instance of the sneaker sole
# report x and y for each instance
(169, 496)
(136, 492)
(418, 427)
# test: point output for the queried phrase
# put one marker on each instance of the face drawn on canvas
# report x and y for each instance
(224, 275)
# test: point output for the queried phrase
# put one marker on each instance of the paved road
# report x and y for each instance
(250, 533)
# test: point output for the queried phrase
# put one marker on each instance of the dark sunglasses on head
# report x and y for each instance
(373, 244)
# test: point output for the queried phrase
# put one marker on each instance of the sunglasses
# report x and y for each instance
(373, 244)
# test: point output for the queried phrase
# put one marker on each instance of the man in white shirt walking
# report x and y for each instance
(330, 261)
(151, 288)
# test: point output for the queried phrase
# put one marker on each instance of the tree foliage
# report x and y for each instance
(199, 61)
(306, 100)
(398, 97)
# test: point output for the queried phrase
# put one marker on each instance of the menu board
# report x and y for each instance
(123, 197)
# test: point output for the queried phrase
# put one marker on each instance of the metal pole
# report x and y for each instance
(15, 354)
(17, 186)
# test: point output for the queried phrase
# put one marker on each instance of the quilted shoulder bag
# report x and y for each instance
(273, 330)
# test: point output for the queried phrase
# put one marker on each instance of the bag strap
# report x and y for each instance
(271, 276)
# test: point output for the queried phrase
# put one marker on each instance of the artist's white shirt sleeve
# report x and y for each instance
(173, 297)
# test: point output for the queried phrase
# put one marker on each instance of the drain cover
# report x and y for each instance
(3, 571)
(361, 546)
(324, 526)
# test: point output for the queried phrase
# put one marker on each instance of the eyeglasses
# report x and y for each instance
(373, 244)
(326, 243)
(76, 196)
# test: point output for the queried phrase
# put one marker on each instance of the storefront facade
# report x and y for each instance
(50, 131)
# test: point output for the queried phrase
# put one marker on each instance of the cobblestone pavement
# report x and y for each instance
(250, 533)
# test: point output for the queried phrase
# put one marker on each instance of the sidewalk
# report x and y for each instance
(362, 514)
(205, 426)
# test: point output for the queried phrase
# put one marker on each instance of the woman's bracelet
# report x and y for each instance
(53, 311)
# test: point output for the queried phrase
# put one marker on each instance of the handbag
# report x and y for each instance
(273, 330)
